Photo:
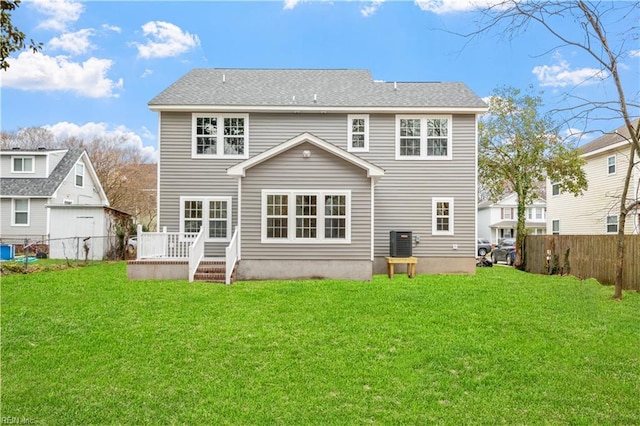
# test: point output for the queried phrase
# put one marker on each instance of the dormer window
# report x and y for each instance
(220, 136)
(22, 165)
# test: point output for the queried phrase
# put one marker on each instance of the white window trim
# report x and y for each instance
(606, 224)
(13, 212)
(291, 232)
(434, 221)
(423, 138)
(23, 157)
(205, 215)
(219, 137)
(350, 118)
(559, 192)
(615, 165)
(75, 174)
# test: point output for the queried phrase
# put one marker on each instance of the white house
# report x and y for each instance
(499, 220)
(596, 210)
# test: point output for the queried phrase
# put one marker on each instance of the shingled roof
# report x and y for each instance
(621, 134)
(311, 88)
(41, 187)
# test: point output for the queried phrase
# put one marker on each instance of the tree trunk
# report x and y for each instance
(622, 219)
(521, 229)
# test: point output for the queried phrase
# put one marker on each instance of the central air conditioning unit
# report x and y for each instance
(400, 244)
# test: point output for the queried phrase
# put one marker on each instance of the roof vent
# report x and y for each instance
(395, 85)
(224, 78)
(15, 148)
(42, 148)
(315, 98)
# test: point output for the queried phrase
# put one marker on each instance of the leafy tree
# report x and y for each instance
(582, 26)
(518, 148)
(11, 38)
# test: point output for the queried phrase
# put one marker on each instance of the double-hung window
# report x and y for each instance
(220, 135)
(79, 175)
(611, 165)
(20, 214)
(358, 137)
(612, 224)
(442, 214)
(306, 216)
(22, 165)
(555, 227)
(211, 213)
(423, 137)
(555, 189)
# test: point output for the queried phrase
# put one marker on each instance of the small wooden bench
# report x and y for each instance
(411, 263)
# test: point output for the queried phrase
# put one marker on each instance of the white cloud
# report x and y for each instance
(146, 73)
(35, 71)
(61, 13)
(165, 40)
(634, 53)
(111, 28)
(74, 43)
(453, 6)
(91, 131)
(561, 75)
(371, 8)
(290, 4)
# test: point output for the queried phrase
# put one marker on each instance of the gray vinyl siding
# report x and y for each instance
(37, 219)
(321, 171)
(180, 175)
(403, 197)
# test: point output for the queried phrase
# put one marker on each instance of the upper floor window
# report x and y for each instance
(540, 213)
(212, 213)
(20, 212)
(611, 165)
(555, 189)
(306, 216)
(358, 138)
(220, 135)
(423, 137)
(79, 175)
(22, 165)
(507, 213)
(442, 214)
(612, 224)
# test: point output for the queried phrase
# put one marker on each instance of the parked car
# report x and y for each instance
(505, 251)
(132, 243)
(484, 247)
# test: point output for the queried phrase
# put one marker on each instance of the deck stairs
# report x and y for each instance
(213, 271)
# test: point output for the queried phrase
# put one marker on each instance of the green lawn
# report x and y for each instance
(86, 346)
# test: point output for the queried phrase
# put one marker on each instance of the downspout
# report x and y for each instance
(239, 220)
(373, 229)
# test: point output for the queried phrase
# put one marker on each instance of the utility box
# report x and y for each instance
(400, 244)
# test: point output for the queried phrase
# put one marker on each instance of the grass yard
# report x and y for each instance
(86, 346)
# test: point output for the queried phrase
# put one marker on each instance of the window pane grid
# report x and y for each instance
(335, 211)
(306, 211)
(234, 131)
(358, 133)
(192, 216)
(277, 220)
(206, 135)
(442, 216)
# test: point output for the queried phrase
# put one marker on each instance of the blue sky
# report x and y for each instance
(103, 61)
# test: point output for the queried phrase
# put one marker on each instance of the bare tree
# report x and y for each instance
(606, 49)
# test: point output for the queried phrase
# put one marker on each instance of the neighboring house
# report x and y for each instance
(53, 195)
(499, 220)
(314, 168)
(596, 210)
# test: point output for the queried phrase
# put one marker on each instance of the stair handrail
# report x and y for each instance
(232, 253)
(196, 254)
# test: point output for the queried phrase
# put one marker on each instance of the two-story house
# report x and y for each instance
(596, 210)
(499, 220)
(310, 170)
(50, 197)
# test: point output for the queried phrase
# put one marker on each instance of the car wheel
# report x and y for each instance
(482, 252)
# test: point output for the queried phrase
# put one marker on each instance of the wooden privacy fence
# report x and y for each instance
(588, 256)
